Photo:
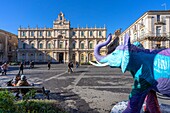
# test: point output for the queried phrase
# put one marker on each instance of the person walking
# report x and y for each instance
(77, 64)
(70, 67)
(49, 65)
(21, 68)
(32, 64)
(4, 68)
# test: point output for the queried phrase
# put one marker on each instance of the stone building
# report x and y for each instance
(8, 46)
(60, 43)
(152, 29)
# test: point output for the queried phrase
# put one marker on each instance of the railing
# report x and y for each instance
(153, 35)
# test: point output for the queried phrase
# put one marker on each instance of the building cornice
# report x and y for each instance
(8, 33)
(151, 12)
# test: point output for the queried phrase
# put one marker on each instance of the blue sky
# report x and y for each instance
(114, 14)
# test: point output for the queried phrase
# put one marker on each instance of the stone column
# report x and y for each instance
(36, 44)
(45, 44)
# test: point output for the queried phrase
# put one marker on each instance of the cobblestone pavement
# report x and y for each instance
(88, 90)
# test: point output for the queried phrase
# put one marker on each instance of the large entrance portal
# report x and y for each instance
(61, 57)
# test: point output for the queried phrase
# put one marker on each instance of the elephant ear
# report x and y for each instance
(126, 55)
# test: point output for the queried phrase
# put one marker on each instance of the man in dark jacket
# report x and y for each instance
(70, 67)
(49, 65)
(21, 68)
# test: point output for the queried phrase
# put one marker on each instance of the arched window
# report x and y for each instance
(23, 33)
(32, 33)
(32, 56)
(61, 17)
(74, 33)
(100, 33)
(82, 57)
(82, 45)
(49, 46)
(23, 56)
(40, 56)
(24, 45)
(91, 33)
(82, 33)
(40, 33)
(158, 18)
(60, 44)
(32, 45)
(91, 45)
(49, 33)
(40, 46)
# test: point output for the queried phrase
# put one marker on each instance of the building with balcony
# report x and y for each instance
(8, 46)
(152, 29)
(60, 43)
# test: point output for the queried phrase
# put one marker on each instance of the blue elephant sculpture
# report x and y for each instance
(150, 70)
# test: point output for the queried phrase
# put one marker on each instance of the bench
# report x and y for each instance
(17, 89)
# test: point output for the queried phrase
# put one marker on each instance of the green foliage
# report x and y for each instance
(7, 101)
(30, 94)
(8, 104)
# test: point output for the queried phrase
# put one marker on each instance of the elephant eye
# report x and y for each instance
(113, 53)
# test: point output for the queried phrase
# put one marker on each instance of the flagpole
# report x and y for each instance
(164, 4)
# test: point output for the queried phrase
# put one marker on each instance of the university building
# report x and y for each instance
(60, 43)
(152, 29)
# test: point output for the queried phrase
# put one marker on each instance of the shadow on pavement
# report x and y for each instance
(72, 103)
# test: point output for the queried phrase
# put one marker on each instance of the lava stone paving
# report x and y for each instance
(88, 89)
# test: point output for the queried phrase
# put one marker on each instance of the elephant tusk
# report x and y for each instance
(99, 64)
(105, 64)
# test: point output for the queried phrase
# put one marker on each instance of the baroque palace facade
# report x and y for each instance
(152, 29)
(60, 43)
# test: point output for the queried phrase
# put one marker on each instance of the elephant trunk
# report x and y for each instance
(99, 46)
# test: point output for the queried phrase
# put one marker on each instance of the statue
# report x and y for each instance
(150, 70)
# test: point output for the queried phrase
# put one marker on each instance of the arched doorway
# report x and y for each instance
(61, 57)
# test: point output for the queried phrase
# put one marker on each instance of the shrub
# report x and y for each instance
(8, 104)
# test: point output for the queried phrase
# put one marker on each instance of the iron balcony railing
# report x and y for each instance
(166, 36)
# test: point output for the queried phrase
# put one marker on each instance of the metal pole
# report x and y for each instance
(86, 54)
(65, 51)
(164, 4)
